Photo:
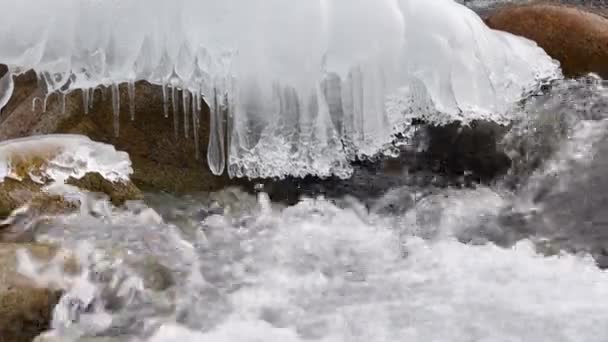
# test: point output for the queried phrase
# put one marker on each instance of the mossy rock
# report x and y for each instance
(119, 192)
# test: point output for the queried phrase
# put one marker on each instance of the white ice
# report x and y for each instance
(59, 157)
(295, 87)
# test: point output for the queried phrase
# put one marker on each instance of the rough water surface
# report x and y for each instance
(320, 272)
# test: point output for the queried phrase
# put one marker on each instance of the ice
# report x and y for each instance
(59, 157)
(308, 86)
(215, 150)
(116, 109)
(131, 91)
(186, 110)
(7, 86)
(86, 101)
(196, 114)
(175, 106)
(165, 100)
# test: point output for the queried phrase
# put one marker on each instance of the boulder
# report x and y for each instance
(25, 310)
(578, 39)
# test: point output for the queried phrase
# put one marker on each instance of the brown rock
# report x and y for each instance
(119, 192)
(576, 38)
(25, 310)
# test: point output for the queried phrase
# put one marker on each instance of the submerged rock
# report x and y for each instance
(25, 310)
(578, 39)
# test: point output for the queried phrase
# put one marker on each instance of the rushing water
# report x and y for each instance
(516, 260)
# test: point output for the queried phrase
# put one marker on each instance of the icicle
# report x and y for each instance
(44, 102)
(199, 103)
(186, 109)
(116, 108)
(62, 102)
(175, 108)
(165, 100)
(215, 152)
(34, 101)
(131, 91)
(85, 100)
(7, 85)
(196, 114)
(91, 98)
(226, 129)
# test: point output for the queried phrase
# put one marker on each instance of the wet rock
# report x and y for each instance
(21, 226)
(161, 161)
(471, 151)
(14, 194)
(119, 192)
(25, 310)
(578, 39)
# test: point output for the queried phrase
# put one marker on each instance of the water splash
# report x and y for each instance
(313, 271)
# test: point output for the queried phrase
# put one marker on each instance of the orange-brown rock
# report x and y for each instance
(578, 39)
